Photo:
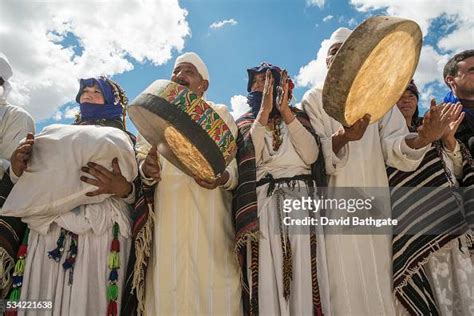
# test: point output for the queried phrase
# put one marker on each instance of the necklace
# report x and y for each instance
(276, 131)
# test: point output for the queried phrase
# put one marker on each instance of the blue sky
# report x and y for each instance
(287, 33)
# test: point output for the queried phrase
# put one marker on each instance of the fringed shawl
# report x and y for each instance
(245, 208)
(11, 233)
(436, 223)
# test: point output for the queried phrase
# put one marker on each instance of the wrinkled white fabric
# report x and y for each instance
(360, 266)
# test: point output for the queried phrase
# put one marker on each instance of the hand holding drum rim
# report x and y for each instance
(357, 130)
(107, 182)
(439, 121)
(21, 155)
(348, 134)
(151, 167)
(221, 180)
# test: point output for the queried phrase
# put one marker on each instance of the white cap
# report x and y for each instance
(5, 68)
(339, 36)
(194, 60)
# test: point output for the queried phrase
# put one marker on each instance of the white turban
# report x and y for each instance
(339, 36)
(5, 72)
(196, 61)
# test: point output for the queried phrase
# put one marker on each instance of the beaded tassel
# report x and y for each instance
(18, 272)
(71, 259)
(57, 252)
(114, 265)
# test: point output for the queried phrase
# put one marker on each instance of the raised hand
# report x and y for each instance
(282, 102)
(21, 156)
(107, 182)
(151, 167)
(349, 134)
(448, 139)
(436, 122)
(357, 130)
(267, 99)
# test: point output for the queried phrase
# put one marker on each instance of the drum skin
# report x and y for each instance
(372, 69)
(186, 130)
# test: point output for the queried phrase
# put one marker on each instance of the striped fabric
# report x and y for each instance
(11, 232)
(142, 219)
(245, 209)
(429, 217)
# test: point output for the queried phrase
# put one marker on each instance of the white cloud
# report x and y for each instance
(458, 15)
(461, 39)
(221, 24)
(71, 112)
(352, 22)
(430, 66)
(327, 18)
(68, 112)
(424, 12)
(239, 106)
(314, 73)
(58, 116)
(51, 46)
(313, 3)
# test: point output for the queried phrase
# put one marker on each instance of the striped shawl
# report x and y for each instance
(245, 210)
(424, 228)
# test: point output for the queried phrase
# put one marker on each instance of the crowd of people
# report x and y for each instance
(151, 239)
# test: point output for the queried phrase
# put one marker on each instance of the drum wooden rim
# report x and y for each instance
(352, 55)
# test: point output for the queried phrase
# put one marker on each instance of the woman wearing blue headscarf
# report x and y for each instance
(78, 265)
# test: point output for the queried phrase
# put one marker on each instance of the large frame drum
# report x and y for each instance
(187, 131)
(372, 69)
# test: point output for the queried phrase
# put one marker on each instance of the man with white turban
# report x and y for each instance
(192, 268)
(360, 265)
(15, 124)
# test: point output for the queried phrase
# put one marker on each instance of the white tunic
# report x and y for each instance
(294, 157)
(360, 266)
(15, 123)
(47, 280)
(193, 269)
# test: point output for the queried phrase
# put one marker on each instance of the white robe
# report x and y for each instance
(46, 280)
(192, 269)
(360, 266)
(294, 157)
(15, 123)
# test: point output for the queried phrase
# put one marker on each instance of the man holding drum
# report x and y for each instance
(360, 265)
(192, 269)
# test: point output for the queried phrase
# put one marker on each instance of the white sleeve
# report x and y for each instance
(313, 106)
(393, 134)
(456, 159)
(17, 124)
(303, 141)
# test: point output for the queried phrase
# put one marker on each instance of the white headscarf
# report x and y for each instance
(196, 61)
(6, 73)
(339, 36)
